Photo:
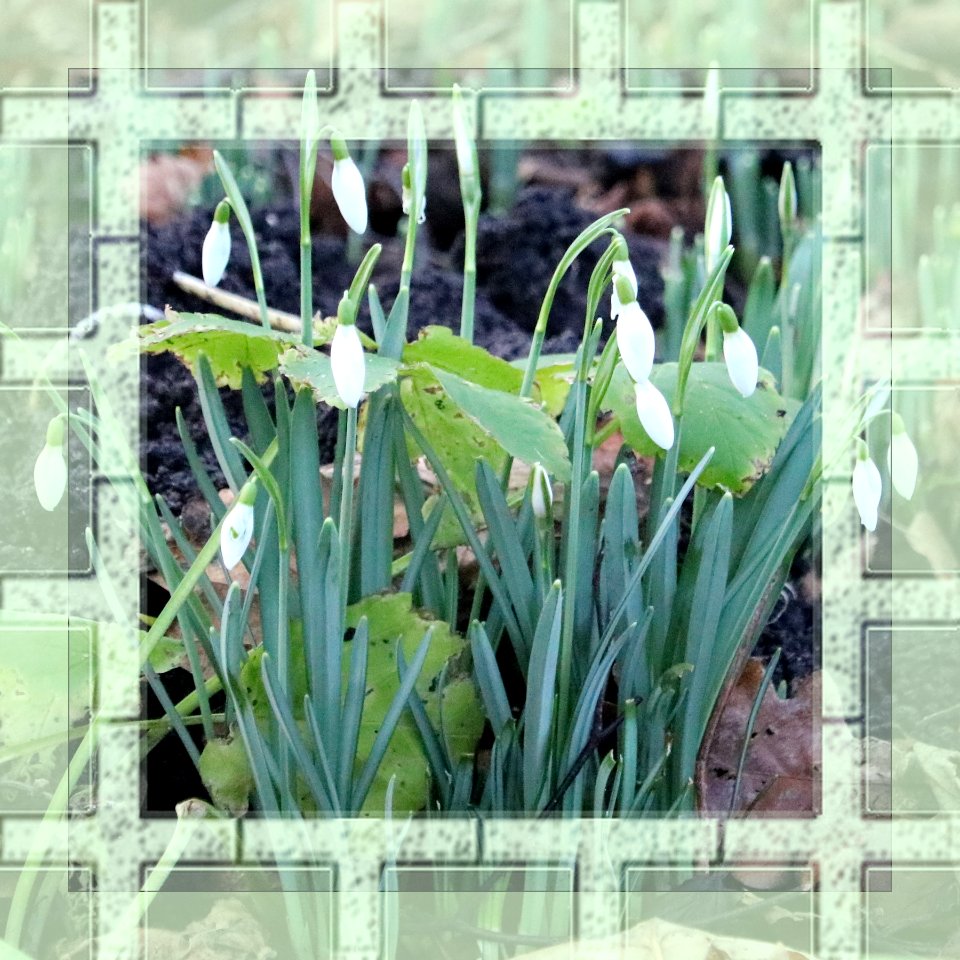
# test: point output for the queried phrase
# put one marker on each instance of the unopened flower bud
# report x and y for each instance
(348, 188)
(50, 469)
(216, 246)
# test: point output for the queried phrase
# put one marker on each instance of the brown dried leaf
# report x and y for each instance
(782, 768)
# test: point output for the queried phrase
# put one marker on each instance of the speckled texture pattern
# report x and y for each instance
(115, 115)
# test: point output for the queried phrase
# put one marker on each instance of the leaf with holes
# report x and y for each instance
(230, 345)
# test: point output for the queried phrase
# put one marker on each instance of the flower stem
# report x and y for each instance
(346, 506)
(471, 219)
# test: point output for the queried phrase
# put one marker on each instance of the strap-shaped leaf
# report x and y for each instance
(541, 693)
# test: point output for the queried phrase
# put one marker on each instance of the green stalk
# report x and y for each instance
(232, 190)
(471, 219)
(345, 529)
(309, 142)
(596, 230)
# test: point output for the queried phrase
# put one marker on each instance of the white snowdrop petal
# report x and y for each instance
(235, 534)
(654, 414)
(741, 358)
(635, 340)
(215, 253)
(350, 194)
(349, 367)
(904, 464)
(541, 494)
(50, 476)
(867, 490)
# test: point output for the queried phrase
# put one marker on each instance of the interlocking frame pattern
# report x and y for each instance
(117, 114)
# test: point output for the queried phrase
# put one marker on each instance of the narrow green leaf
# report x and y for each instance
(541, 692)
(489, 680)
(218, 429)
(507, 548)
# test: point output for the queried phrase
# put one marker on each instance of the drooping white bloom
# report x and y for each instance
(654, 414)
(348, 188)
(867, 487)
(347, 360)
(235, 532)
(635, 340)
(50, 469)
(718, 228)
(740, 355)
(541, 493)
(902, 460)
(216, 246)
(621, 268)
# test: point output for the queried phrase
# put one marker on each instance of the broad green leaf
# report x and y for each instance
(518, 425)
(391, 616)
(166, 653)
(443, 350)
(225, 773)
(745, 431)
(305, 367)
(555, 374)
(457, 439)
(230, 345)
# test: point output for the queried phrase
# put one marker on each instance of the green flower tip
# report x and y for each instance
(346, 310)
(248, 492)
(624, 290)
(405, 177)
(55, 431)
(787, 199)
(727, 318)
(863, 451)
(222, 213)
(897, 425)
(338, 146)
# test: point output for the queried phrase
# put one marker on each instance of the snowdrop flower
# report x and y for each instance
(541, 493)
(407, 195)
(635, 339)
(346, 356)
(50, 469)
(216, 246)
(654, 414)
(348, 188)
(902, 460)
(739, 352)
(867, 487)
(719, 224)
(237, 527)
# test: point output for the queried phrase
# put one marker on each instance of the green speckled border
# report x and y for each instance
(80, 79)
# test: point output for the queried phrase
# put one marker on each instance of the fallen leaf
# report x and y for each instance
(782, 769)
